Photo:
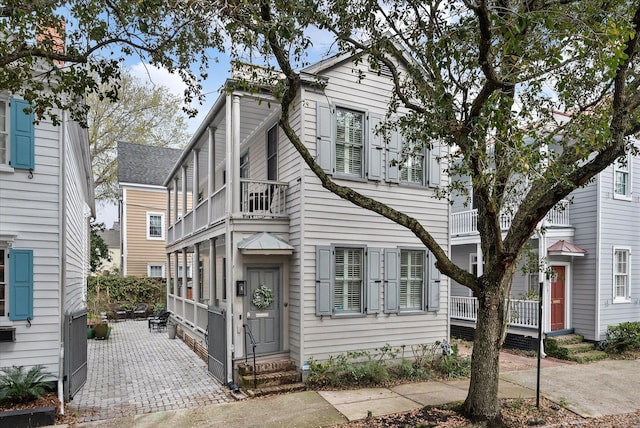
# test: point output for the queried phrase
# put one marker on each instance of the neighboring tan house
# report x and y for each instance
(587, 242)
(111, 238)
(281, 259)
(46, 201)
(143, 204)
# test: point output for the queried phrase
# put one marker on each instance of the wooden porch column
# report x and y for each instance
(230, 210)
(211, 173)
(184, 197)
(175, 274)
(195, 188)
(168, 222)
(235, 167)
(175, 202)
(168, 279)
(196, 273)
(184, 281)
(213, 277)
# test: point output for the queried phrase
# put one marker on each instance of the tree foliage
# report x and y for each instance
(142, 114)
(533, 99)
(99, 251)
(54, 52)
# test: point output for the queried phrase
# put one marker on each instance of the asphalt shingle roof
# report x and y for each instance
(141, 164)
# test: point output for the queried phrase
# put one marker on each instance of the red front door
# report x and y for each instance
(557, 298)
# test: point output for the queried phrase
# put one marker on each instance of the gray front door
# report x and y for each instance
(262, 309)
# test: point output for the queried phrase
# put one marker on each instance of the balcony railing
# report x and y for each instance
(466, 222)
(258, 199)
(521, 313)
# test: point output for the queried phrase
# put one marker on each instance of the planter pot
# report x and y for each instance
(91, 332)
(102, 331)
(171, 330)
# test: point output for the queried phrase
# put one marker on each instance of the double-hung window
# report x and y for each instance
(272, 153)
(412, 275)
(3, 282)
(349, 280)
(155, 271)
(349, 142)
(412, 169)
(4, 131)
(622, 182)
(155, 226)
(621, 271)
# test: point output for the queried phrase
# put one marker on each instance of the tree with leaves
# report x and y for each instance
(142, 114)
(54, 53)
(487, 79)
(99, 250)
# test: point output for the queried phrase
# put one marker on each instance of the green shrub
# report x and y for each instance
(20, 386)
(126, 291)
(623, 337)
(452, 365)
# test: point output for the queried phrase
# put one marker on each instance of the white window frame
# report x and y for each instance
(408, 165)
(363, 146)
(4, 165)
(625, 170)
(152, 265)
(627, 287)
(473, 263)
(162, 226)
(423, 289)
(363, 279)
(189, 271)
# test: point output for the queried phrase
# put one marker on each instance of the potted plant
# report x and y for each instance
(101, 331)
(92, 321)
(171, 329)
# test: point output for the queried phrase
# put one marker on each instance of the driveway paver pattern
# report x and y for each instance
(137, 371)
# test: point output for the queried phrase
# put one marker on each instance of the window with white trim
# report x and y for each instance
(155, 226)
(622, 175)
(349, 280)
(4, 278)
(155, 271)
(412, 273)
(473, 264)
(272, 153)
(188, 271)
(4, 131)
(621, 270)
(413, 168)
(349, 142)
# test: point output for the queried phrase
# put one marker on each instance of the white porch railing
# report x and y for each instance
(262, 198)
(187, 224)
(466, 222)
(202, 319)
(522, 313)
(201, 215)
(218, 205)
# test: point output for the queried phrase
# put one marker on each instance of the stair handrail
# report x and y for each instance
(247, 330)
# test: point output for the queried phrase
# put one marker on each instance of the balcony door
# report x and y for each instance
(272, 153)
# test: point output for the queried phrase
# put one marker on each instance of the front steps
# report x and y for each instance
(572, 347)
(272, 377)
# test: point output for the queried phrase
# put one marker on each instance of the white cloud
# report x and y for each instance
(160, 77)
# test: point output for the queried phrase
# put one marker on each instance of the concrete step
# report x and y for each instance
(272, 379)
(292, 387)
(587, 357)
(567, 339)
(266, 367)
(578, 348)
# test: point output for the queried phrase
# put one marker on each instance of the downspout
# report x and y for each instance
(63, 240)
(301, 249)
(597, 302)
(227, 238)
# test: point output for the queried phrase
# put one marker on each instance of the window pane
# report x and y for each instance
(3, 279)
(348, 281)
(621, 274)
(155, 226)
(412, 170)
(411, 279)
(349, 141)
(155, 271)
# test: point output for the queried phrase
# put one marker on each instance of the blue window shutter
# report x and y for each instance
(434, 169)
(324, 280)
(391, 279)
(374, 157)
(20, 284)
(394, 146)
(22, 136)
(324, 137)
(433, 302)
(374, 280)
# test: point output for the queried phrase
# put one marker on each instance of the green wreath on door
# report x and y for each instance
(262, 297)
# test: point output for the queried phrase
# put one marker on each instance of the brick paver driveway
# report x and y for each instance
(137, 371)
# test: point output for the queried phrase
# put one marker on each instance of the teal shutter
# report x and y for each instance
(391, 279)
(324, 138)
(433, 293)
(22, 136)
(20, 285)
(324, 280)
(374, 157)
(374, 280)
(394, 147)
(434, 170)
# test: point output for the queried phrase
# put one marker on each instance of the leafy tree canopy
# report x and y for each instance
(99, 250)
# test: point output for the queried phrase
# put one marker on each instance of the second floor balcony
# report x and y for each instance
(466, 222)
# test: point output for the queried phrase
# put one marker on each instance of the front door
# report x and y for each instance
(557, 298)
(262, 304)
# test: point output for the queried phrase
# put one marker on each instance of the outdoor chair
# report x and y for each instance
(159, 322)
(140, 311)
(117, 312)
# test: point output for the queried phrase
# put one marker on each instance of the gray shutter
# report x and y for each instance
(394, 147)
(324, 137)
(324, 280)
(374, 279)
(434, 170)
(375, 148)
(391, 279)
(433, 293)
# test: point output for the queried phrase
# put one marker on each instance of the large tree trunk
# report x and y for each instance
(482, 401)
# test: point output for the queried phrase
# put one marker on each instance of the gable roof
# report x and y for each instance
(141, 164)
